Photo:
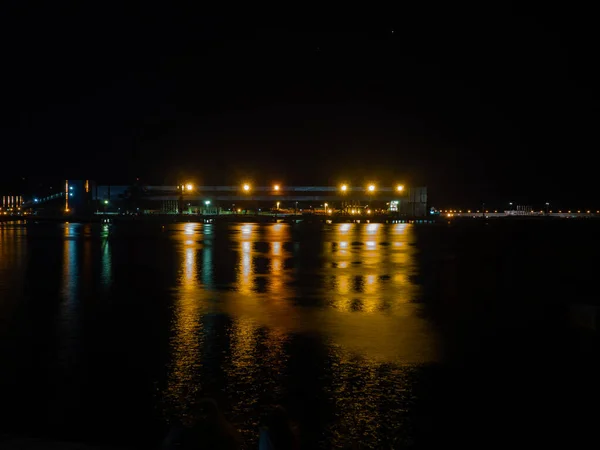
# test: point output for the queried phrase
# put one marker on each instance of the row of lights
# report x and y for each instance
(469, 211)
(246, 187)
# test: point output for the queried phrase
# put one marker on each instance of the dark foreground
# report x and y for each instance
(391, 336)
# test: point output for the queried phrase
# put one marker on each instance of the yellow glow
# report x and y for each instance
(330, 211)
(276, 187)
(246, 187)
(588, 212)
(344, 188)
(469, 211)
(578, 212)
(569, 212)
(371, 188)
(189, 186)
(368, 211)
(399, 188)
(239, 210)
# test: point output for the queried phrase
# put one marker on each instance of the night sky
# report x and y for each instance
(491, 104)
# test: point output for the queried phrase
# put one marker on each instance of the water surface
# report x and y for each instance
(363, 331)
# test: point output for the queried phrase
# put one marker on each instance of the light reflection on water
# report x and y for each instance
(367, 316)
(318, 319)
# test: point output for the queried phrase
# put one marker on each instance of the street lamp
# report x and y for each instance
(207, 202)
(343, 188)
(399, 188)
(189, 186)
(246, 187)
(371, 188)
(276, 187)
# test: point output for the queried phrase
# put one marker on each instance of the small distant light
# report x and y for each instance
(276, 187)
(35, 200)
(578, 212)
(399, 188)
(246, 187)
(371, 188)
(368, 211)
(70, 188)
(189, 186)
(106, 202)
(207, 202)
(588, 212)
(344, 188)
(239, 210)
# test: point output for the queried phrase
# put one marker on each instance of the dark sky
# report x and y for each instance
(488, 103)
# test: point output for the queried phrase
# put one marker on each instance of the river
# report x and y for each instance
(393, 335)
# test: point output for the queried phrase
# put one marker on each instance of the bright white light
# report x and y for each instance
(246, 187)
(207, 202)
(276, 187)
(344, 227)
(189, 228)
(371, 188)
(189, 187)
(344, 188)
(399, 188)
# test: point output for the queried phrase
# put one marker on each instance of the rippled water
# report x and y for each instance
(112, 333)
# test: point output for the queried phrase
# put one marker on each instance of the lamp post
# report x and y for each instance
(246, 188)
(344, 189)
(370, 192)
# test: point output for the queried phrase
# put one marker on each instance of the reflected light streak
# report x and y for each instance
(184, 370)
(189, 229)
(344, 227)
(245, 265)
